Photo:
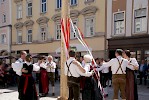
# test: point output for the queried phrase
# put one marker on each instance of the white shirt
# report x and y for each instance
(87, 66)
(103, 69)
(115, 65)
(133, 62)
(75, 71)
(17, 67)
(83, 63)
(43, 65)
(51, 66)
(20, 60)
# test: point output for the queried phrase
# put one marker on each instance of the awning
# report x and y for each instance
(3, 57)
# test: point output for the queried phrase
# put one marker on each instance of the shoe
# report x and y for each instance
(42, 95)
(53, 94)
(148, 87)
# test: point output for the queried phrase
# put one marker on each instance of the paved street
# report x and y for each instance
(11, 93)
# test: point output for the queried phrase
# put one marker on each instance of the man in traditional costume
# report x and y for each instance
(73, 69)
(21, 60)
(118, 68)
(51, 66)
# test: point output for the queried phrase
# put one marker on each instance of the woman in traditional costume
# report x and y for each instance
(43, 77)
(27, 89)
(131, 85)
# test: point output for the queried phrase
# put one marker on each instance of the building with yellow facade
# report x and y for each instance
(36, 26)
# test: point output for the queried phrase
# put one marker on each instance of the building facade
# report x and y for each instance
(127, 27)
(5, 27)
(36, 26)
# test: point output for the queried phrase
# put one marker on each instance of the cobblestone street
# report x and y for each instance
(12, 94)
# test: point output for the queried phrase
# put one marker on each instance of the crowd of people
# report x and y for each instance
(120, 72)
(7, 75)
(27, 73)
(82, 76)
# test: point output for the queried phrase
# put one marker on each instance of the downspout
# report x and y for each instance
(105, 45)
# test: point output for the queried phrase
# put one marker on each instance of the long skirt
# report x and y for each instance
(43, 82)
(90, 90)
(27, 89)
(131, 85)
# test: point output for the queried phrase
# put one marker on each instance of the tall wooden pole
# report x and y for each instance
(63, 81)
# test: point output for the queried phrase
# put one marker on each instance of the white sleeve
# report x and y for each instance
(88, 74)
(43, 65)
(17, 66)
(54, 65)
(100, 68)
(133, 63)
(108, 64)
(36, 67)
(87, 68)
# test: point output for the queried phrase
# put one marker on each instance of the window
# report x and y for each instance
(29, 36)
(43, 6)
(19, 11)
(19, 37)
(73, 2)
(59, 4)
(29, 9)
(4, 18)
(72, 34)
(58, 31)
(89, 27)
(3, 38)
(119, 24)
(140, 20)
(43, 34)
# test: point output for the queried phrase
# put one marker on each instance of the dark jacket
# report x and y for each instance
(145, 68)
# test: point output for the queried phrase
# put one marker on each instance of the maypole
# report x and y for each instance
(63, 78)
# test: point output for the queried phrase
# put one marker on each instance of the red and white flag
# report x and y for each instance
(65, 28)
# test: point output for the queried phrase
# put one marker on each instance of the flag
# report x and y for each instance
(65, 28)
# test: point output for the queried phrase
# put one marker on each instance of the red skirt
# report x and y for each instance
(44, 81)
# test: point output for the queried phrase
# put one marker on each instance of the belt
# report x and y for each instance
(74, 80)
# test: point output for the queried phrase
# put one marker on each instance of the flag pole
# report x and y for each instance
(63, 78)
